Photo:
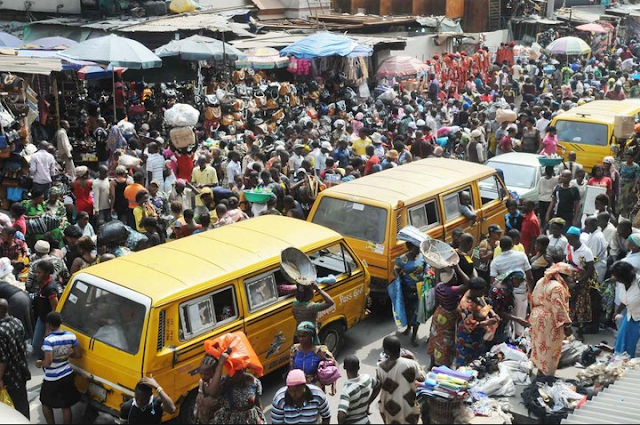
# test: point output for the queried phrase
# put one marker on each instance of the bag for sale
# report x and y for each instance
(182, 115)
(242, 355)
(181, 137)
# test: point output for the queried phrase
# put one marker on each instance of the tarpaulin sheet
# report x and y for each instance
(325, 44)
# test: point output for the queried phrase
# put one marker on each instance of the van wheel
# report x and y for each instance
(187, 409)
(333, 337)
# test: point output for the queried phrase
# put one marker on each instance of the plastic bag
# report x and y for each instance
(126, 126)
(505, 115)
(497, 385)
(242, 355)
(129, 161)
(388, 95)
(113, 233)
(510, 352)
(182, 115)
(6, 398)
(183, 6)
(397, 303)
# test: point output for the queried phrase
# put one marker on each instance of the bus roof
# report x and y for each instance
(195, 263)
(411, 181)
(602, 110)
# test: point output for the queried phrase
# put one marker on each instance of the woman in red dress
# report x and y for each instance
(81, 187)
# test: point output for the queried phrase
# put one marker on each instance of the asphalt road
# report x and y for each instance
(364, 340)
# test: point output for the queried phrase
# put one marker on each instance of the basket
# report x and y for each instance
(439, 254)
(297, 267)
(545, 161)
(441, 410)
(257, 197)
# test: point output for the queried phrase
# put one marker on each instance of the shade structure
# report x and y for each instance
(592, 27)
(568, 46)
(8, 40)
(51, 43)
(96, 72)
(114, 50)
(401, 66)
(325, 44)
(263, 58)
(198, 47)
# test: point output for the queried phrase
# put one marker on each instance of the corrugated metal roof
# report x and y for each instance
(278, 39)
(26, 65)
(190, 22)
(268, 4)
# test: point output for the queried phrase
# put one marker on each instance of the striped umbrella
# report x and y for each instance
(401, 66)
(263, 58)
(568, 46)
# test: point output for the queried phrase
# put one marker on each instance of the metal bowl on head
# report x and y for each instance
(439, 254)
(297, 267)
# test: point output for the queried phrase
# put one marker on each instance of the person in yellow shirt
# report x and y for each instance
(360, 144)
(203, 176)
(514, 234)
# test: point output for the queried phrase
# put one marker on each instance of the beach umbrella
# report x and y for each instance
(8, 40)
(568, 46)
(114, 50)
(401, 66)
(97, 72)
(50, 43)
(263, 58)
(592, 27)
(198, 48)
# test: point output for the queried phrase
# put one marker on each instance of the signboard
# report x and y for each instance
(589, 203)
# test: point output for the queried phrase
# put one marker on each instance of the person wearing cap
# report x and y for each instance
(356, 393)
(376, 140)
(399, 377)
(158, 198)
(299, 402)
(581, 260)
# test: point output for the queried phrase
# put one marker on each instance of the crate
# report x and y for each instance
(441, 410)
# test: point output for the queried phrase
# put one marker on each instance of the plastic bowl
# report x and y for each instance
(257, 197)
(545, 161)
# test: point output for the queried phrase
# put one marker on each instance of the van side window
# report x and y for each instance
(262, 290)
(452, 203)
(424, 216)
(491, 190)
(334, 260)
(207, 312)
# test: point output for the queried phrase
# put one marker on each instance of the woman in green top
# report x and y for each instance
(34, 207)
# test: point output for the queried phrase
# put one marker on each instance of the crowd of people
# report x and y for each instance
(551, 270)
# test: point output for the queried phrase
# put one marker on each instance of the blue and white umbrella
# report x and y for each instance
(114, 50)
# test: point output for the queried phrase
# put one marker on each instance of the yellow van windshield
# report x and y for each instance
(104, 316)
(352, 219)
(585, 133)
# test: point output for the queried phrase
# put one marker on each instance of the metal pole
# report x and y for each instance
(113, 80)
(224, 57)
(551, 4)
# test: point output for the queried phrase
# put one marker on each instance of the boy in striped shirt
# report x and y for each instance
(356, 394)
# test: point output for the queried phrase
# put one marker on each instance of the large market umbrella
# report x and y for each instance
(401, 66)
(198, 47)
(263, 58)
(51, 43)
(325, 44)
(592, 27)
(8, 40)
(568, 46)
(115, 51)
(97, 72)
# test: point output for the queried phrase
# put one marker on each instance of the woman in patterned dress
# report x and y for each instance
(550, 321)
(410, 269)
(503, 301)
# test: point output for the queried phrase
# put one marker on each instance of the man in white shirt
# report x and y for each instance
(510, 260)
(101, 196)
(595, 241)
(154, 164)
(516, 69)
(608, 229)
(319, 154)
(42, 169)
(543, 122)
(233, 168)
(64, 149)
(296, 159)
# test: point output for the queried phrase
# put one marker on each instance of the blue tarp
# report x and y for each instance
(325, 44)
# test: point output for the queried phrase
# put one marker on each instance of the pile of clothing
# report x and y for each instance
(498, 411)
(553, 398)
(603, 374)
(446, 383)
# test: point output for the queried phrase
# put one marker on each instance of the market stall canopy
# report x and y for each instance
(26, 65)
(8, 40)
(50, 43)
(198, 47)
(114, 50)
(593, 27)
(67, 64)
(263, 58)
(401, 66)
(325, 44)
(97, 72)
(568, 46)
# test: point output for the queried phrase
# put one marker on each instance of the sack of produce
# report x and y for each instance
(182, 115)
(181, 137)
(506, 115)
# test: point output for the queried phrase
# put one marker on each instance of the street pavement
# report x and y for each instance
(364, 340)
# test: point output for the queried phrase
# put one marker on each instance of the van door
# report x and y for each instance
(493, 195)
(451, 209)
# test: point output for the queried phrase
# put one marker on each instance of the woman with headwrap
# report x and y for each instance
(81, 188)
(306, 355)
(410, 268)
(503, 299)
(550, 321)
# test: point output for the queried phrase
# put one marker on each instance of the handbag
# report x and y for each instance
(328, 372)
(6, 398)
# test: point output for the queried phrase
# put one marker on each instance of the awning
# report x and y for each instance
(67, 64)
(280, 39)
(29, 65)
(190, 22)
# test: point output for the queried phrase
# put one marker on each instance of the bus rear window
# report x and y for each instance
(584, 133)
(352, 219)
